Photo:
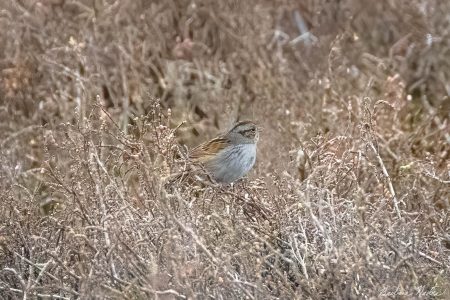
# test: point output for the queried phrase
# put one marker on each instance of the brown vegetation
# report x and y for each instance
(349, 198)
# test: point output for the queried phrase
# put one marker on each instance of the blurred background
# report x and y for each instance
(298, 68)
(352, 97)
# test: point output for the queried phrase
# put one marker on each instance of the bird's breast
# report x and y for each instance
(233, 162)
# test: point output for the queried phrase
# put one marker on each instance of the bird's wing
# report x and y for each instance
(208, 150)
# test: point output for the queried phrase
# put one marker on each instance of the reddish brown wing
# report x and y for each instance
(208, 150)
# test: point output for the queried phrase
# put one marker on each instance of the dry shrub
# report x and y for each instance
(349, 197)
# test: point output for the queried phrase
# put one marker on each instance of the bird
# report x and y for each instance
(229, 156)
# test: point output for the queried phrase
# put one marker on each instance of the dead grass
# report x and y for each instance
(350, 195)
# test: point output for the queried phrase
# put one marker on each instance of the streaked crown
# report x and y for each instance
(244, 132)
